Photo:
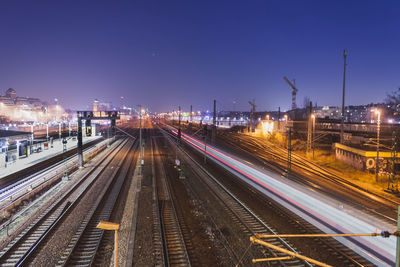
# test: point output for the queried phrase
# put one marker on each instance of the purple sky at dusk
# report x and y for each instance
(162, 54)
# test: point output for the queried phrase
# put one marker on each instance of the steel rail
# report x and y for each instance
(331, 177)
(175, 250)
(18, 251)
(244, 214)
(338, 248)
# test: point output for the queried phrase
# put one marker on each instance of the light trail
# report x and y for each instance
(321, 211)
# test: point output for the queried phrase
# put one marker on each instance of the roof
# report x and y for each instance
(6, 133)
(364, 153)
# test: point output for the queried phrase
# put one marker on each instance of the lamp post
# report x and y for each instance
(378, 113)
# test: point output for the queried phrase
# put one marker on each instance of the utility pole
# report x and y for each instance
(80, 144)
(179, 122)
(191, 113)
(289, 160)
(343, 95)
(279, 119)
(252, 114)
(64, 142)
(398, 238)
(140, 138)
(205, 143)
(313, 134)
(309, 130)
(32, 137)
(177, 162)
(214, 126)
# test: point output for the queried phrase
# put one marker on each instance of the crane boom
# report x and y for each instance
(252, 104)
(291, 84)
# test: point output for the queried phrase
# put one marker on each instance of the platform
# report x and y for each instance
(34, 158)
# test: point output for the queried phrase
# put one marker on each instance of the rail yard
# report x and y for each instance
(175, 200)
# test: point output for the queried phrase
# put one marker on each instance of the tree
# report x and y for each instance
(393, 102)
(393, 98)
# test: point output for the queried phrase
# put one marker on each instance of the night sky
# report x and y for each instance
(162, 54)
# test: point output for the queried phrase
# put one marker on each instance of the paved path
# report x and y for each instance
(32, 159)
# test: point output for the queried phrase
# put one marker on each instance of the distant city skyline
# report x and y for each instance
(164, 54)
(234, 104)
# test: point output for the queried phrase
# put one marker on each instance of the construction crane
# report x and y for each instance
(294, 91)
(253, 110)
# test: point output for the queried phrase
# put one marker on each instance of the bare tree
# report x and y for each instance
(393, 102)
(393, 98)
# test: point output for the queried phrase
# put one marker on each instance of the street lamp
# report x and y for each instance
(378, 113)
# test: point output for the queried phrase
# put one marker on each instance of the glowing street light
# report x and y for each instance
(313, 134)
(378, 113)
(285, 117)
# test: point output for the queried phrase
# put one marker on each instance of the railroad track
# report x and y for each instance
(174, 249)
(254, 224)
(82, 249)
(241, 214)
(19, 251)
(263, 151)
